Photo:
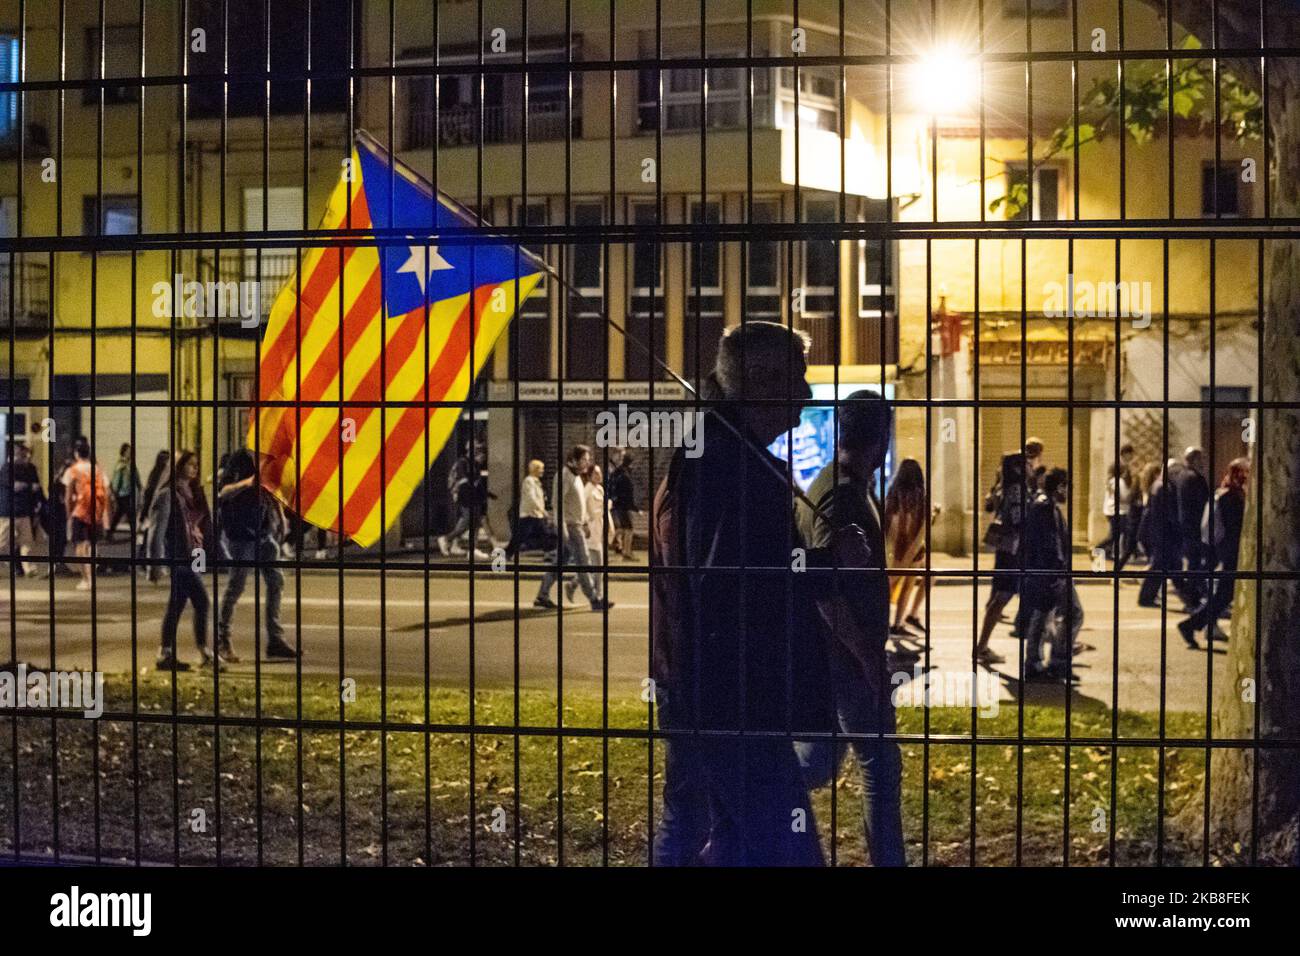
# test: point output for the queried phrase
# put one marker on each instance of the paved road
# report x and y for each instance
(591, 645)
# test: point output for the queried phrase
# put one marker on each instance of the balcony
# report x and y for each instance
(278, 266)
(24, 292)
(459, 125)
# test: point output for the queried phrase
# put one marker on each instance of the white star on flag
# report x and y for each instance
(423, 262)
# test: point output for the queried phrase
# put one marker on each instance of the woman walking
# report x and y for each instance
(905, 518)
(152, 546)
(188, 524)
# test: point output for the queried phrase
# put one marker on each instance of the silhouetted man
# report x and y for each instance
(1193, 493)
(739, 659)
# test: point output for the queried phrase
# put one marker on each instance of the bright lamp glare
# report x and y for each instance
(945, 82)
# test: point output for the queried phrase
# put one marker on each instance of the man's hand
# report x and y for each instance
(849, 547)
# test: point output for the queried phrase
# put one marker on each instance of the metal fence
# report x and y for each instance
(1009, 220)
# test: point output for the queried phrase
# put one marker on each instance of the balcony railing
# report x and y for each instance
(24, 291)
(278, 265)
(459, 125)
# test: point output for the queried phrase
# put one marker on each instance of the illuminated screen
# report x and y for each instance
(810, 446)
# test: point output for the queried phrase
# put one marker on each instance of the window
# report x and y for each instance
(645, 318)
(9, 73)
(763, 279)
(876, 295)
(1222, 194)
(116, 217)
(121, 60)
(682, 100)
(821, 260)
(1047, 190)
(706, 265)
(818, 106)
(585, 334)
(459, 112)
(530, 333)
(283, 212)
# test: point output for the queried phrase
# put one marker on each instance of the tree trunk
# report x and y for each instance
(1274, 495)
(1254, 801)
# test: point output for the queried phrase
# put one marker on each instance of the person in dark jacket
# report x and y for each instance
(21, 500)
(252, 528)
(1007, 500)
(857, 617)
(622, 502)
(1051, 605)
(151, 548)
(1192, 492)
(189, 532)
(1164, 537)
(1229, 513)
(737, 652)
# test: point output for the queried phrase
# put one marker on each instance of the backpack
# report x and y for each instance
(91, 490)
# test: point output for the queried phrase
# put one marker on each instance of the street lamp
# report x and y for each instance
(945, 81)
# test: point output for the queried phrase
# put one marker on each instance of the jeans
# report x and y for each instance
(864, 707)
(1166, 562)
(263, 550)
(1207, 614)
(573, 551)
(186, 585)
(1052, 620)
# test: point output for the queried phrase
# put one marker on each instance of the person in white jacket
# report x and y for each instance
(570, 502)
(530, 527)
(597, 515)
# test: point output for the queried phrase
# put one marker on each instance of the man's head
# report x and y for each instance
(81, 448)
(536, 468)
(579, 460)
(1194, 458)
(1057, 484)
(20, 452)
(625, 458)
(240, 465)
(865, 427)
(1033, 452)
(125, 451)
(1126, 453)
(763, 364)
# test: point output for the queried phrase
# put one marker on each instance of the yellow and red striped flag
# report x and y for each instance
(357, 330)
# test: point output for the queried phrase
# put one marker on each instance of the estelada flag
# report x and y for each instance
(382, 326)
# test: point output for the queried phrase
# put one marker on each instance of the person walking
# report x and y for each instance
(622, 497)
(1115, 508)
(597, 516)
(1051, 603)
(468, 485)
(1229, 514)
(1164, 533)
(154, 536)
(905, 523)
(860, 681)
(570, 499)
(21, 501)
(252, 529)
(183, 508)
(530, 525)
(1007, 500)
(86, 503)
(125, 486)
(1192, 494)
(1137, 538)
